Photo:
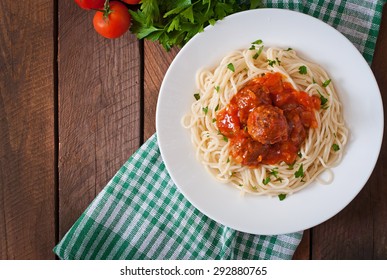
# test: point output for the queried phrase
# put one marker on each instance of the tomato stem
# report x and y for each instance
(106, 9)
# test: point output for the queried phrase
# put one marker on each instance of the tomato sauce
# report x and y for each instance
(267, 121)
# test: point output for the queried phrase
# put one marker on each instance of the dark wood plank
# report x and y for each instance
(359, 231)
(99, 109)
(156, 63)
(303, 250)
(27, 162)
(378, 181)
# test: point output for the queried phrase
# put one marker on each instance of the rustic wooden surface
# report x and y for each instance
(73, 108)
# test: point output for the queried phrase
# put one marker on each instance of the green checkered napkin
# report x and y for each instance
(140, 214)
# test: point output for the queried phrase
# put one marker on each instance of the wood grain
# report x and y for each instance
(303, 250)
(27, 147)
(99, 109)
(156, 63)
(379, 177)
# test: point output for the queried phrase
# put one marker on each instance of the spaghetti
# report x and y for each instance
(324, 138)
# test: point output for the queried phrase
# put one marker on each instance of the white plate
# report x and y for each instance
(313, 40)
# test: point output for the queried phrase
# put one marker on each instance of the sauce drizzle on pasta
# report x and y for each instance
(267, 121)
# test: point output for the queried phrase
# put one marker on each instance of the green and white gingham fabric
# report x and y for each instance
(140, 214)
(358, 20)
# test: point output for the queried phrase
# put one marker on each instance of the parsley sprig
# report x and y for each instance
(174, 23)
(273, 172)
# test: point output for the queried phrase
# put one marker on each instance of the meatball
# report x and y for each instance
(267, 125)
(247, 151)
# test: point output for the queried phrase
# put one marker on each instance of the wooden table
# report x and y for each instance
(73, 108)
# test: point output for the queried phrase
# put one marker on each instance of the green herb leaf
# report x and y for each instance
(282, 196)
(205, 110)
(257, 42)
(266, 181)
(256, 55)
(274, 172)
(197, 96)
(217, 88)
(217, 108)
(300, 172)
(326, 83)
(225, 138)
(302, 70)
(231, 67)
(174, 23)
(271, 62)
(279, 179)
(323, 101)
(335, 147)
(188, 14)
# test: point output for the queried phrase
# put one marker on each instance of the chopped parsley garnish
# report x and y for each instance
(289, 49)
(257, 42)
(205, 110)
(274, 172)
(300, 172)
(299, 154)
(271, 62)
(335, 147)
(256, 55)
(279, 179)
(266, 181)
(282, 196)
(323, 101)
(217, 88)
(326, 83)
(231, 67)
(302, 70)
(225, 138)
(197, 96)
(213, 120)
(217, 107)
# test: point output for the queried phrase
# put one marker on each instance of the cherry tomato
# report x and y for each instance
(113, 22)
(90, 4)
(131, 2)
